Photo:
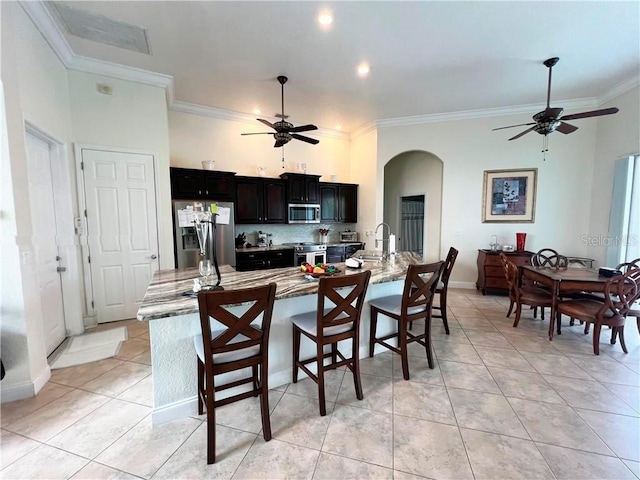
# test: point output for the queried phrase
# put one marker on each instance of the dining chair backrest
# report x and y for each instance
(215, 305)
(448, 265)
(331, 288)
(623, 267)
(417, 291)
(620, 293)
(548, 257)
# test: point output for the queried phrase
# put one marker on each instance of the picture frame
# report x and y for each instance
(509, 196)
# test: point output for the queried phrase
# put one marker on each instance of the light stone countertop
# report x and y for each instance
(272, 248)
(164, 298)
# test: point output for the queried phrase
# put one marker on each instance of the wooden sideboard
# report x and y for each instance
(490, 270)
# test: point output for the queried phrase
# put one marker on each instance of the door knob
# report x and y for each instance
(153, 257)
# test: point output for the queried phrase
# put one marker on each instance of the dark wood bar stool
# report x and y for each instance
(329, 325)
(443, 287)
(241, 343)
(414, 304)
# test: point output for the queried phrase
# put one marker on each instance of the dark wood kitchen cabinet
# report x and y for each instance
(339, 253)
(302, 188)
(189, 183)
(264, 260)
(260, 200)
(491, 272)
(338, 203)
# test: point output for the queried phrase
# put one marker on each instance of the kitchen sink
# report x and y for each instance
(370, 255)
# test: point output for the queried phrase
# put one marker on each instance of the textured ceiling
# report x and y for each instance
(425, 57)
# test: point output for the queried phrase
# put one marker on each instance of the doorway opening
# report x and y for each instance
(412, 223)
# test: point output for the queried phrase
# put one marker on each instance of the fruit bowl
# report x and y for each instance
(325, 274)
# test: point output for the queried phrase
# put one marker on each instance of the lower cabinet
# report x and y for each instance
(339, 253)
(264, 260)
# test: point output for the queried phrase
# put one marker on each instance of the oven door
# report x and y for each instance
(317, 257)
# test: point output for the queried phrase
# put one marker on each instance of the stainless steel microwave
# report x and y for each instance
(304, 213)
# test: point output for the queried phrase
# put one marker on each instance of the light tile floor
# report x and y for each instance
(502, 403)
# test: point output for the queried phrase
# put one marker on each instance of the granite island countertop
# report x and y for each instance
(164, 298)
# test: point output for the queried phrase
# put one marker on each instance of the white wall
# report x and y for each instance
(415, 173)
(617, 136)
(469, 147)
(36, 90)
(195, 138)
(363, 172)
(134, 117)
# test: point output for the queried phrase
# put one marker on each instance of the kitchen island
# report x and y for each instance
(174, 321)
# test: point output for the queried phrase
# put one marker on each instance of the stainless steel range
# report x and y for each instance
(309, 252)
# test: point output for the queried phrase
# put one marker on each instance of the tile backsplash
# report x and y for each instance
(294, 233)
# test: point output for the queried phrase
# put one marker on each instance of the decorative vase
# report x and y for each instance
(324, 238)
(521, 238)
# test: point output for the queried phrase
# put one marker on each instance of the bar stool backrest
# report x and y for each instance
(448, 265)
(331, 288)
(418, 291)
(215, 305)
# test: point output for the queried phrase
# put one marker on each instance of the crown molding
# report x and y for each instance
(229, 115)
(363, 130)
(620, 89)
(122, 72)
(483, 113)
(44, 22)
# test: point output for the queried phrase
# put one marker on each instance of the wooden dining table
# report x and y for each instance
(563, 280)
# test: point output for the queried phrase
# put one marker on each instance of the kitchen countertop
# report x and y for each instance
(164, 298)
(264, 249)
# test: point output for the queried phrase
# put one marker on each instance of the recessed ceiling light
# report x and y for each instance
(338, 127)
(257, 111)
(363, 69)
(325, 19)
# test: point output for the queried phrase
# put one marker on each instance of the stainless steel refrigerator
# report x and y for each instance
(186, 247)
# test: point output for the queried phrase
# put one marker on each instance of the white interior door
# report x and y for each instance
(43, 218)
(122, 229)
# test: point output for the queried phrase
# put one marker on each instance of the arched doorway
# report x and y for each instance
(413, 201)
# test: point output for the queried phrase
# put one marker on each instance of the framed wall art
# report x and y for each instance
(509, 196)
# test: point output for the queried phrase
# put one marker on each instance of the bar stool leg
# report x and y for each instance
(200, 386)
(402, 344)
(264, 404)
(372, 333)
(211, 424)
(319, 353)
(427, 341)
(443, 310)
(296, 352)
(356, 368)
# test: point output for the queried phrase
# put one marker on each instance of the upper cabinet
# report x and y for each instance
(338, 203)
(302, 188)
(187, 184)
(260, 200)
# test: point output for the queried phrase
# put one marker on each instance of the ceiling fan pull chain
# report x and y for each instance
(283, 157)
(545, 147)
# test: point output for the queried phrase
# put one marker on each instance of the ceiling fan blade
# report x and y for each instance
(593, 113)
(523, 133)
(303, 128)
(511, 126)
(258, 133)
(267, 123)
(313, 141)
(566, 128)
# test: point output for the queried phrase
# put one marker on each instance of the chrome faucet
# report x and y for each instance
(382, 240)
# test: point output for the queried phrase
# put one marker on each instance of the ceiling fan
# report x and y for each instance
(285, 131)
(550, 119)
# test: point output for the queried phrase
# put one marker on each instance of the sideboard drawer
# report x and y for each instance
(494, 282)
(493, 260)
(494, 272)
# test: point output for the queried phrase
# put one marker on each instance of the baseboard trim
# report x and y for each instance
(465, 285)
(11, 393)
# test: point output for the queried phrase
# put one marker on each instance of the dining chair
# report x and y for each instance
(241, 342)
(548, 257)
(522, 295)
(414, 304)
(328, 325)
(619, 294)
(634, 310)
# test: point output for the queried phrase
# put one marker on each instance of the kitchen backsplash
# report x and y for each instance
(294, 233)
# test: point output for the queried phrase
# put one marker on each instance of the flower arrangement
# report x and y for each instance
(324, 230)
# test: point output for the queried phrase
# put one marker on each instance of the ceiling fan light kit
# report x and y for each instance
(285, 131)
(550, 119)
